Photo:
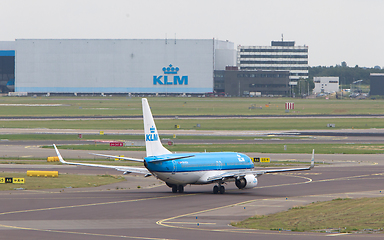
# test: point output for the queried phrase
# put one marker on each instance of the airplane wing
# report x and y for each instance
(124, 158)
(242, 173)
(142, 160)
(124, 169)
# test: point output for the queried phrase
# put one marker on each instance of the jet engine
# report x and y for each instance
(249, 181)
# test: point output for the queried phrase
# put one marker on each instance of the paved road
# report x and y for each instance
(154, 212)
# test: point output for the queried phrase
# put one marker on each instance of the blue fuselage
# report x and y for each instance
(199, 162)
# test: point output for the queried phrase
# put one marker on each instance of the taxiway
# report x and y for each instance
(153, 212)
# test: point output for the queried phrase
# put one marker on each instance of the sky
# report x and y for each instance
(334, 30)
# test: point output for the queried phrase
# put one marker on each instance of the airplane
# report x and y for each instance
(180, 169)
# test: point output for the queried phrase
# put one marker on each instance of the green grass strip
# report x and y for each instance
(340, 215)
(117, 106)
(205, 124)
(122, 137)
(63, 181)
(260, 148)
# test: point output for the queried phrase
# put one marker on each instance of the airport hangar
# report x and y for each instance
(137, 66)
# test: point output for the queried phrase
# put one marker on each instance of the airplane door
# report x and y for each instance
(174, 167)
(218, 165)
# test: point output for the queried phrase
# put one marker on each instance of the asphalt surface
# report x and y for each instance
(153, 212)
(122, 211)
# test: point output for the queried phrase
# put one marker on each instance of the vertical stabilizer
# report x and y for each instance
(152, 140)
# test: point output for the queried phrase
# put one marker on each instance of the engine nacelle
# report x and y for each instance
(249, 181)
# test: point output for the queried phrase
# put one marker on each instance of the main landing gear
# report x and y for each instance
(177, 188)
(218, 189)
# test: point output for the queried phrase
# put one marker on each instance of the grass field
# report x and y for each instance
(63, 181)
(260, 148)
(205, 124)
(124, 106)
(339, 215)
(24, 137)
(174, 106)
(121, 137)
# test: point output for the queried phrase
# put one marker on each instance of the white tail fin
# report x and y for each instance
(152, 141)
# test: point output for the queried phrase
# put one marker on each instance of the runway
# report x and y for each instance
(340, 136)
(153, 212)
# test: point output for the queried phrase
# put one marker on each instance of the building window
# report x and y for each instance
(273, 62)
(274, 56)
(305, 50)
(274, 68)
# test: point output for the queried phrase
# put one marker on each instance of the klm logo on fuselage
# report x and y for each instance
(152, 136)
(172, 79)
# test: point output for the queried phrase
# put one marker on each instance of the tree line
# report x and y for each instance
(346, 74)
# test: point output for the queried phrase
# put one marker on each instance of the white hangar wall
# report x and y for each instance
(119, 66)
(326, 84)
(7, 45)
(225, 54)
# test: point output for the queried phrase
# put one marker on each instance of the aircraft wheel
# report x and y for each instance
(222, 190)
(181, 188)
(174, 188)
(215, 189)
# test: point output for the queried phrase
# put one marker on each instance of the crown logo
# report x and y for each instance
(152, 129)
(170, 69)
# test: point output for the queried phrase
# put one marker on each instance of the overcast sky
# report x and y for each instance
(334, 30)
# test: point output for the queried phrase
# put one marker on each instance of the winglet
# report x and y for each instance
(59, 155)
(313, 159)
